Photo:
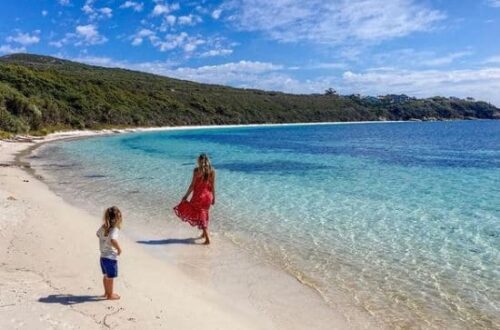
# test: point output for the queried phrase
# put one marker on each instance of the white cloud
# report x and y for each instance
(8, 49)
(479, 83)
(138, 38)
(87, 9)
(243, 73)
(160, 9)
(332, 22)
(167, 23)
(25, 39)
(100, 61)
(96, 13)
(84, 35)
(447, 59)
(226, 72)
(45, 13)
(216, 46)
(217, 52)
(163, 9)
(326, 66)
(493, 59)
(216, 13)
(64, 2)
(412, 58)
(170, 20)
(189, 45)
(494, 3)
(136, 6)
(189, 19)
(192, 44)
(106, 11)
(203, 10)
(223, 73)
(87, 31)
(58, 43)
(90, 35)
(177, 41)
(156, 67)
(247, 74)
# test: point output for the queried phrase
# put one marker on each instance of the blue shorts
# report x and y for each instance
(109, 267)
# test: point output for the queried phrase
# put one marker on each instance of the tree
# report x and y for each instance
(330, 91)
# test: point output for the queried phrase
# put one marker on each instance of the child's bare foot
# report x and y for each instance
(207, 241)
(113, 296)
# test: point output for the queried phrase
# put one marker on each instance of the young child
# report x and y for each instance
(110, 249)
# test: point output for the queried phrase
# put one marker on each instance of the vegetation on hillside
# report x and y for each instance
(39, 94)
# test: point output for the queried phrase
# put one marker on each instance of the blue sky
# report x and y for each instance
(418, 47)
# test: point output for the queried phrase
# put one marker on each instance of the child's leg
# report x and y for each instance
(110, 270)
(110, 294)
(105, 286)
(103, 268)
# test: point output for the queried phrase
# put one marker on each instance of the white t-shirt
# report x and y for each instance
(105, 246)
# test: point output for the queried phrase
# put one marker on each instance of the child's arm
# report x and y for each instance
(115, 244)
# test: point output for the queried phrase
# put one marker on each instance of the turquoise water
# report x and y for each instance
(402, 219)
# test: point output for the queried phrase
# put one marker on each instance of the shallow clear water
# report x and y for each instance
(402, 218)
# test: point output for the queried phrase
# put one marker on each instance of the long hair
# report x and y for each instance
(205, 166)
(112, 219)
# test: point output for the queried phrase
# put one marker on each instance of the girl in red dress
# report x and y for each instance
(195, 211)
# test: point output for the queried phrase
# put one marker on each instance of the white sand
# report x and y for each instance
(50, 277)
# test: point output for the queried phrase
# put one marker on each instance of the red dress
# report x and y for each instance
(195, 211)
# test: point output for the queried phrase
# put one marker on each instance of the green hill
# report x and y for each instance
(39, 94)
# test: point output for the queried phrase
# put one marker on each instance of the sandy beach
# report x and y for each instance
(50, 279)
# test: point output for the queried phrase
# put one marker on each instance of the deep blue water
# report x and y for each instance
(404, 218)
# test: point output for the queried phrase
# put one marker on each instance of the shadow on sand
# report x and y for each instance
(170, 241)
(68, 299)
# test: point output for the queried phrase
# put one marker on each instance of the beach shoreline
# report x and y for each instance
(49, 279)
(240, 315)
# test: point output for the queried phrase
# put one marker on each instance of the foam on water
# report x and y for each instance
(402, 219)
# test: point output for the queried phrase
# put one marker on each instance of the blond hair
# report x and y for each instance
(205, 166)
(112, 219)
